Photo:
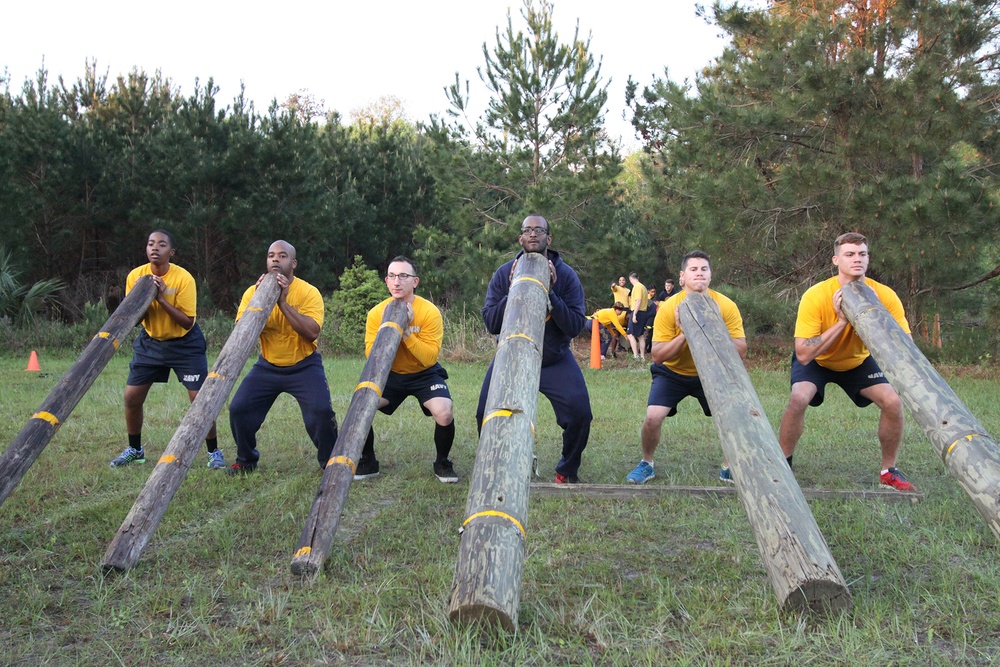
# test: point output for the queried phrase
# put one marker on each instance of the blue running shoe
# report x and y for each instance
(130, 455)
(642, 474)
(726, 475)
(216, 461)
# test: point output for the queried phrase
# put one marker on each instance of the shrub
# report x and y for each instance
(347, 309)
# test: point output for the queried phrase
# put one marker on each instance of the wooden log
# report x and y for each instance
(135, 532)
(324, 516)
(57, 406)
(487, 583)
(969, 453)
(797, 559)
(653, 491)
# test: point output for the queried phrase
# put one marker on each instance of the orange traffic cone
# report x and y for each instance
(33, 362)
(595, 344)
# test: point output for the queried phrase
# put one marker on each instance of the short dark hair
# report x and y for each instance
(618, 306)
(854, 238)
(633, 274)
(694, 254)
(404, 258)
(170, 237)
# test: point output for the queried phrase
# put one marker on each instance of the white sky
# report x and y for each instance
(345, 53)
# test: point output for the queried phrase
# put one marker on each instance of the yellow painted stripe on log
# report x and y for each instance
(304, 551)
(213, 374)
(968, 437)
(370, 385)
(254, 309)
(343, 460)
(105, 334)
(502, 515)
(47, 416)
(392, 325)
(518, 335)
(496, 413)
(167, 458)
(534, 280)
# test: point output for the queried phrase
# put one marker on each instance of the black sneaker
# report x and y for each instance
(445, 472)
(365, 470)
(241, 468)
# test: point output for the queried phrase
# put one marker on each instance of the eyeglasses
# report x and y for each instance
(401, 276)
(533, 231)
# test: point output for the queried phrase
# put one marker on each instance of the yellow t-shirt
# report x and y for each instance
(816, 315)
(181, 292)
(665, 328)
(280, 344)
(611, 318)
(418, 351)
(622, 295)
(639, 295)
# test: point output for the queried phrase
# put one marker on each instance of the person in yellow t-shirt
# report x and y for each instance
(170, 339)
(827, 349)
(674, 374)
(621, 293)
(639, 303)
(289, 363)
(611, 319)
(415, 370)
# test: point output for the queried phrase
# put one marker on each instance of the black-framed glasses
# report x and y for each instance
(401, 276)
(533, 231)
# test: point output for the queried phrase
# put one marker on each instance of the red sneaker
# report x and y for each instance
(893, 479)
(567, 479)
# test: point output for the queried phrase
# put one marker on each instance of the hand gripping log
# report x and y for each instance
(324, 517)
(796, 557)
(56, 408)
(125, 549)
(970, 454)
(487, 584)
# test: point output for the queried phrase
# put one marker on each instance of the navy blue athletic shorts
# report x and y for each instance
(152, 360)
(868, 374)
(669, 388)
(425, 385)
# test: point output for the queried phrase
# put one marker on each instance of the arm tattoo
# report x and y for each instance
(814, 342)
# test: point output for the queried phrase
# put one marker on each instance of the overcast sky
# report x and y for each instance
(345, 53)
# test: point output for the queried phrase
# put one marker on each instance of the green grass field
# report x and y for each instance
(675, 580)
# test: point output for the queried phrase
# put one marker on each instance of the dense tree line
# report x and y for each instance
(872, 115)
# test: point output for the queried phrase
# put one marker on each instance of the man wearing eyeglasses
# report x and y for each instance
(289, 363)
(415, 370)
(561, 379)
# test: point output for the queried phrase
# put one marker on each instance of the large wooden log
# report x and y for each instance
(487, 583)
(970, 454)
(796, 557)
(57, 406)
(324, 516)
(135, 532)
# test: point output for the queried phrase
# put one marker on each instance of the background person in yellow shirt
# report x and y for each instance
(288, 363)
(170, 339)
(828, 350)
(611, 319)
(415, 370)
(639, 303)
(622, 294)
(674, 374)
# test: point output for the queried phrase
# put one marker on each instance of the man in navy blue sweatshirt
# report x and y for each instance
(561, 380)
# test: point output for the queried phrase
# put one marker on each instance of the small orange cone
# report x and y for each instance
(33, 362)
(595, 344)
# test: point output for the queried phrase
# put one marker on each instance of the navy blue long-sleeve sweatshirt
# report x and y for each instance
(566, 319)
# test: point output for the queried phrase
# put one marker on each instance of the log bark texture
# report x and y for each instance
(802, 571)
(487, 583)
(135, 532)
(969, 453)
(57, 406)
(324, 516)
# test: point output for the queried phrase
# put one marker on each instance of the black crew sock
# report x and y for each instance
(789, 459)
(444, 436)
(135, 441)
(368, 452)
(212, 444)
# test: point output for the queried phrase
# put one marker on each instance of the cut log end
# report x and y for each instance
(304, 567)
(481, 615)
(822, 596)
